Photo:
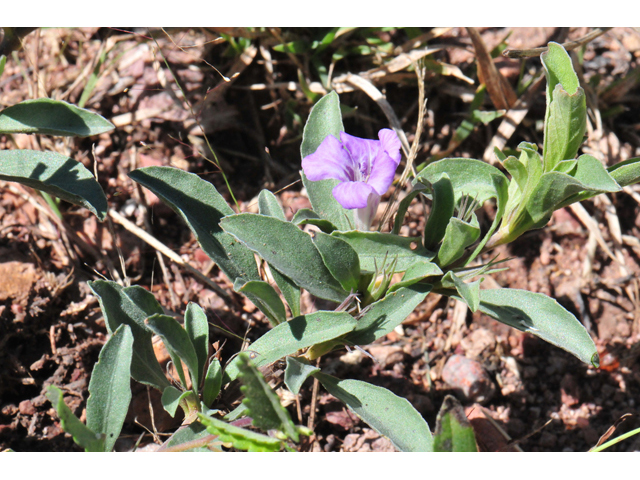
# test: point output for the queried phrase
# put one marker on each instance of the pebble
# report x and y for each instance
(468, 378)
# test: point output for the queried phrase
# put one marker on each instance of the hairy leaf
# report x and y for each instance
(131, 306)
(297, 371)
(52, 117)
(340, 258)
(197, 327)
(84, 437)
(386, 314)
(110, 387)
(288, 249)
(541, 316)
(240, 438)
(453, 431)
(376, 249)
(55, 174)
(389, 415)
(266, 299)
(201, 206)
(178, 343)
(298, 333)
(263, 404)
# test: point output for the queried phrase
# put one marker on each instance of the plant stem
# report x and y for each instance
(610, 443)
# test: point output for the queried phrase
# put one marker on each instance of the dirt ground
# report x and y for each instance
(535, 397)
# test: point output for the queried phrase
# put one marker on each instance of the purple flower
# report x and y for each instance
(365, 168)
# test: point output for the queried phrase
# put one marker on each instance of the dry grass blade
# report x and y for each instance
(612, 429)
(413, 153)
(376, 95)
(511, 120)
(534, 52)
(425, 37)
(166, 251)
(500, 91)
(593, 228)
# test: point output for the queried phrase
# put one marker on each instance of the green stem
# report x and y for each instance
(52, 204)
(610, 443)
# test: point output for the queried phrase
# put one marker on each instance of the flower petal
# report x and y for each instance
(362, 151)
(330, 160)
(382, 173)
(390, 144)
(365, 216)
(352, 194)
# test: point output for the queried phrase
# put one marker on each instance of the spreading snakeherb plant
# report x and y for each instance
(331, 252)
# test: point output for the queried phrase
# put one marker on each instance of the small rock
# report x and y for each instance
(343, 418)
(469, 378)
(386, 355)
(26, 407)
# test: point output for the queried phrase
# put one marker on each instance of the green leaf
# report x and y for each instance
(403, 206)
(552, 191)
(52, 117)
(197, 327)
(268, 205)
(475, 179)
(469, 292)
(3, 61)
(263, 404)
(171, 399)
(541, 316)
(416, 272)
(386, 314)
(110, 387)
(297, 371)
(442, 210)
(565, 127)
(296, 334)
(55, 174)
(297, 46)
(453, 431)
(376, 249)
(289, 289)
(626, 172)
(201, 206)
(191, 433)
(555, 189)
(341, 260)
(178, 343)
(389, 415)
(559, 70)
(212, 382)
(266, 299)
(240, 438)
(304, 216)
(566, 115)
(131, 306)
(288, 249)
(84, 437)
(324, 119)
(458, 236)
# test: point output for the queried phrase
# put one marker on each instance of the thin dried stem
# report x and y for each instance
(413, 153)
(166, 251)
(534, 52)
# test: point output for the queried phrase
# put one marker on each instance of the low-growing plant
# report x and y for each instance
(342, 261)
